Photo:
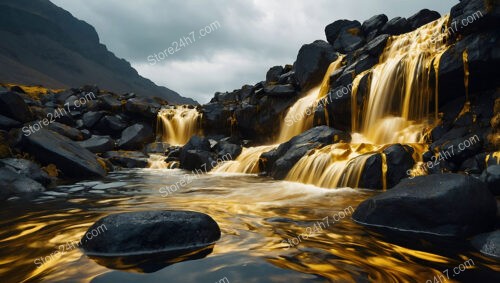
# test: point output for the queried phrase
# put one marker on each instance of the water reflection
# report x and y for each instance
(255, 215)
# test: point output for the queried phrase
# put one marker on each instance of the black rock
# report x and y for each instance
(396, 26)
(334, 30)
(491, 176)
(98, 144)
(28, 169)
(280, 90)
(376, 46)
(196, 154)
(145, 107)
(225, 148)
(423, 17)
(371, 27)
(13, 106)
(279, 161)
(13, 184)
(313, 61)
(450, 205)
(149, 232)
(479, 15)
(91, 118)
(398, 159)
(69, 157)
(127, 159)
(350, 37)
(110, 103)
(157, 147)
(274, 74)
(111, 124)
(66, 131)
(7, 123)
(136, 136)
(488, 244)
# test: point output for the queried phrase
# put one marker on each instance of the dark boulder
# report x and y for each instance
(69, 157)
(483, 57)
(313, 61)
(450, 205)
(13, 106)
(149, 232)
(478, 15)
(224, 148)
(144, 106)
(98, 144)
(491, 176)
(28, 169)
(274, 73)
(91, 118)
(66, 131)
(350, 39)
(7, 123)
(136, 136)
(396, 26)
(111, 124)
(376, 46)
(371, 27)
(278, 162)
(423, 17)
(197, 154)
(127, 159)
(110, 103)
(398, 160)
(216, 118)
(488, 244)
(334, 30)
(13, 184)
(157, 147)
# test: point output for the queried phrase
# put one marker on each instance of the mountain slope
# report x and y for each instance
(44, 44)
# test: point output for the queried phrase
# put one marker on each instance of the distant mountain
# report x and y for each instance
(41, 43)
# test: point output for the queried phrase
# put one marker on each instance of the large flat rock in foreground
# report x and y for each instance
(451, 205)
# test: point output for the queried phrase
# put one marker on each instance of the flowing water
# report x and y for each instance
(176, 124)
(258, 217)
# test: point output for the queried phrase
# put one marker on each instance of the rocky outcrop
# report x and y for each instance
(312, 61)
(488, 244)
(449, 205)
(13, 184)
(13, 106)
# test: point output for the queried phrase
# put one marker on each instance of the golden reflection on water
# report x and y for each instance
(256, 215)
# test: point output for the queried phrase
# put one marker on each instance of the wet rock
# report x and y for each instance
(98, 144)
(278, 162)
(28, 169)
(280, 90)
(273, 75)
(423, 17)
(396, 26)
(111, 124)
(69, 157)
(149, 232)
(136, 136)
(371, 27)
(127, 159)
(450, 205)
(376, 46)
(13, 106)
(144, 106)
(110, 103)
(216, 118)
(196, 154)
(224, 148)
(313, 61)
(398, 159)
(488, 244)
(491, 176)
(363, 63)
(350, 39)
(7, 123)
(371, 176)
(66, 131)
(13, 184)
(478, 14)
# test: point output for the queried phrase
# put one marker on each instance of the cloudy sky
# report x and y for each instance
(252, 35)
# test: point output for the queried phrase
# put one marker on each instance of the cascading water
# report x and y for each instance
(397, 109)
(177, 124)
(247, 162)
(299, 117)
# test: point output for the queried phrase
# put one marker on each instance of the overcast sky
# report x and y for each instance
(252, 36)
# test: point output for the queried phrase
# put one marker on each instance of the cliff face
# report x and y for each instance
(44, 44)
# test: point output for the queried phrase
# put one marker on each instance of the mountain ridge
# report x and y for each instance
(65, 53)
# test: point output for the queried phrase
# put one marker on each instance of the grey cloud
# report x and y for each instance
(254, 35)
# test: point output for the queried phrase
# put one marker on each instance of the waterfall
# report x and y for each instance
(177, 124)
(246, 162)
(397, 108)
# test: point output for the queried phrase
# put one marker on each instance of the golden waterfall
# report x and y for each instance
(247, 162)
(299, 117)
(397, 109)
(176, 125)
